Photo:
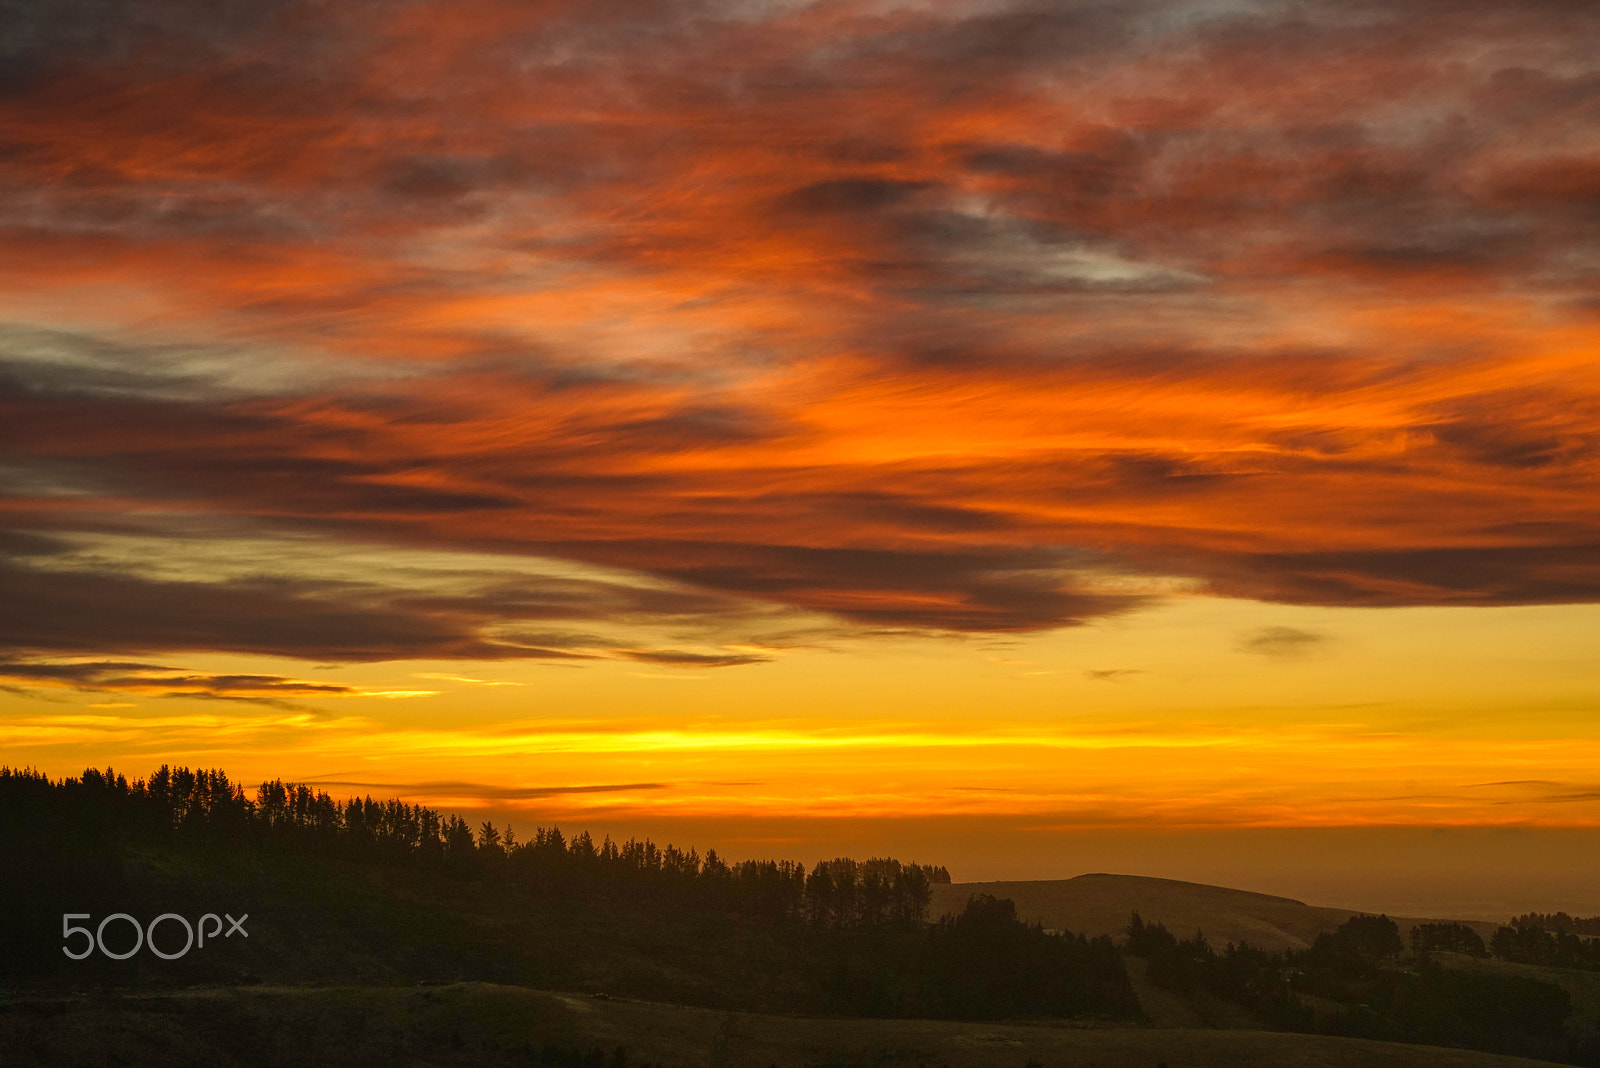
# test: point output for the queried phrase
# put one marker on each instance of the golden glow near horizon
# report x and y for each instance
(1436, 716)
(1165, 418)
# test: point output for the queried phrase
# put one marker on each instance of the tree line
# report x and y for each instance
(1558, 923)
(440, 899)
(205, 805)
(1527, 943)
(1528, 939)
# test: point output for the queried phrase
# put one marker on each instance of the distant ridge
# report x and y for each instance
(1101, 903)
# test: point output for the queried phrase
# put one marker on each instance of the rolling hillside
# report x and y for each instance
(1100, 904)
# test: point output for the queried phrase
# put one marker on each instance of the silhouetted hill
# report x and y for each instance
(1101, 903)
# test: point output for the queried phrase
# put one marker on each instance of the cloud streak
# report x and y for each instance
(487, 792)
(1281, 642)
(157, 681)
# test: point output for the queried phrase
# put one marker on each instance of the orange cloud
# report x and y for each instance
(941, 319)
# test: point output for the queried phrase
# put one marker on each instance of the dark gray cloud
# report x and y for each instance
(39, 37)
(23, 543)
(39, 364)
(1506, 575)
(848, 196)
(905, 510)
(1546, 791)
(1516, 782)
(132, 677)
(1281, 641)
(89, 612)
(1511, 446)
(977, 590)
(100, 610)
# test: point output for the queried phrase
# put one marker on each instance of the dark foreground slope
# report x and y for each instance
(485, 1024)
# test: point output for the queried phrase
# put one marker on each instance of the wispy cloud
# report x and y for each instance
(1112, 674)
(154, 680)
(1282, 642)
(467, 680)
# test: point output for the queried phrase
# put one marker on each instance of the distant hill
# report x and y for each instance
(1100, 904)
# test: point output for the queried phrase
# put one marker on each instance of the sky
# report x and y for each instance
(1159, 436)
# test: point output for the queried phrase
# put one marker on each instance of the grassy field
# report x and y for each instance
(489, 1024)
(1100, 904)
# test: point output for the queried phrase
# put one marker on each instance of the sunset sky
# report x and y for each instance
(1159, 437)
